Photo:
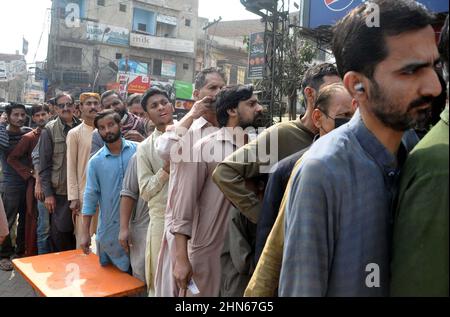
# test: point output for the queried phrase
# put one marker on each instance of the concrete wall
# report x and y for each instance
(111, 16)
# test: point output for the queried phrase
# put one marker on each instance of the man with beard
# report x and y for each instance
(79, 142)
(133, 127)
(105, 173)
(203, 219)
(199, 122)
(420, 243)
(53, 173)
(12, 186)
(339, 210)
(20, 160)
(237, 174)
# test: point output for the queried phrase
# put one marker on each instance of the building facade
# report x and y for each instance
(142, 41)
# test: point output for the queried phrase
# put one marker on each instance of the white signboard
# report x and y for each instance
(3, 73)
(167, 19)
(169, 69)
(161, 43)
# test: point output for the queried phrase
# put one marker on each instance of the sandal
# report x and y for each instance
(6, 265)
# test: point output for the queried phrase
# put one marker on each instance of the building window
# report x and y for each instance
(157, 67)
(142, 27)
(123, 7)
(101, 3)
(186, 66)
(187, 22)
(144, 21)
(69, 55)
(118, 55)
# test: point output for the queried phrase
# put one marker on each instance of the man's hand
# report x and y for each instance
(201, 107)
(182, 272)
(4, 118)
(75, 206)
(135, 136)
(85, 242)
(38, 192)
(124, 240)
(166, 167)
(50, 204)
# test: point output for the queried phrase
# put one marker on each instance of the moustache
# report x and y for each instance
(421, 102)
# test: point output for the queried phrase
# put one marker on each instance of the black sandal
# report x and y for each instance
(6, 265)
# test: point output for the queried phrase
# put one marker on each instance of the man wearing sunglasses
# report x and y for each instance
(132, 127)
(53, 173)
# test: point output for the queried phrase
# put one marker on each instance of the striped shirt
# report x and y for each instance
(339, 216)
(8, 141)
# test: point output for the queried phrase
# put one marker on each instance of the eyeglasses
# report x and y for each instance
(63, 105)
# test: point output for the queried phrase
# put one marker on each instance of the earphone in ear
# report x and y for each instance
(360, 87)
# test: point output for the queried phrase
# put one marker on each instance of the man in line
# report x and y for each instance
(133, 128)
(12, 186)
(338, 211)
(134, 220)
(79, 141)
(199, 122)
(234, 173)
(105, 174)
(153, 176)
(53, 173)
(333, 109)
(420, 244)
(203, 219)
(20, 160)
(134, 104)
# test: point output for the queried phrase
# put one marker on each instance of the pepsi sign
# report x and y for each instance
(318, 13)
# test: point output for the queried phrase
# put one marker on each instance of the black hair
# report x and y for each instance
(107, 113)
(443, 45)
(52, 102)
(63, 94)
(38, 108)
(135, 98)
(314, 75)
(326, 94)
(109, 93)
(229, 98)
(200, 79)
(359, 47)
(150, 93)
(9, 108)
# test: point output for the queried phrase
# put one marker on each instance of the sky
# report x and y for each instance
(16, 23)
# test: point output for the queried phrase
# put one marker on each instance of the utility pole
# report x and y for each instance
(205, 28)
(96, 59)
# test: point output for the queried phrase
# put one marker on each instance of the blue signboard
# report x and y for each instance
(328, 12)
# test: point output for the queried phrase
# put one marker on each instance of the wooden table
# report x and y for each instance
(74, 274)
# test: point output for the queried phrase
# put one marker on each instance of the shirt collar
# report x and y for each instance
(225, 134)
(373, 146)
(444, 115)
(125, 145)
(200, 123)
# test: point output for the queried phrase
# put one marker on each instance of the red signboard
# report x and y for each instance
(138, 85)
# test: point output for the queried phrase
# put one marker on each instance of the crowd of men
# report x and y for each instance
(356, 204)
